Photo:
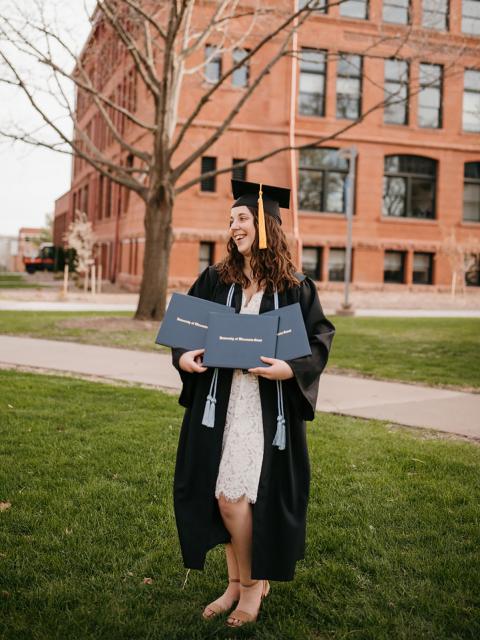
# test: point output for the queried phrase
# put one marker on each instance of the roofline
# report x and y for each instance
(94, 18)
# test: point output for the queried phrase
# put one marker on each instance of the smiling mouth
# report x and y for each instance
(238, 238)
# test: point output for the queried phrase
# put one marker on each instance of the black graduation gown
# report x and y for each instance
(279, 514)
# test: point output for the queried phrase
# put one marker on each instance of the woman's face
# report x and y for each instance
(242, 229)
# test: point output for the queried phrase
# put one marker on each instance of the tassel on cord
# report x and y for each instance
(280, 439)
(209, 411)
(262, 234)
(208, 419)
(280, 436)
(206, 412)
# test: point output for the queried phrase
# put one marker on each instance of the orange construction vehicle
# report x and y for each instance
(44, 261)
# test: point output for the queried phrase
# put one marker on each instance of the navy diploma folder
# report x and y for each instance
(292, 341)
(238, 341)
(186, 321)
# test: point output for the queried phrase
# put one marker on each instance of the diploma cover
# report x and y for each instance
(186, 321)
(238, 341)
(292, 339)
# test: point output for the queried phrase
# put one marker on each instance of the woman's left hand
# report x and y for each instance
(279, 369)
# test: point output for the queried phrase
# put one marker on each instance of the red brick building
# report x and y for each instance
(418, 164)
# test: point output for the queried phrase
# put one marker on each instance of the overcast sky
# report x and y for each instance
(32, 179)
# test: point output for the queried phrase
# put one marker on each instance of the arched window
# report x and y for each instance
(409, 187)
(471, 192)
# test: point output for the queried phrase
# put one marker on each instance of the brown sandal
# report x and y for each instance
(242, 617)
(215, 608)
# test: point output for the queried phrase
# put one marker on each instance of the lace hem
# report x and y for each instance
(250, 499)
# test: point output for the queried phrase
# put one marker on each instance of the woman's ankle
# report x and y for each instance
(249, 583)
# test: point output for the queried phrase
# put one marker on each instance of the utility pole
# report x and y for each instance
(351, 153)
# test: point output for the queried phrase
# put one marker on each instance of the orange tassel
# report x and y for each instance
(262, 233)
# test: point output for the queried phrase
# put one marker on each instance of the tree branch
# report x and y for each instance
(148, 73)
(149, 18)
(207, 96)
(269, 154)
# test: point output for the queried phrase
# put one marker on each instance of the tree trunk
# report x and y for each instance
(158, 242)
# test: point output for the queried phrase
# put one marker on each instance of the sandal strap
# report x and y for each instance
(215, 608)
(249, 586)
(241, 616)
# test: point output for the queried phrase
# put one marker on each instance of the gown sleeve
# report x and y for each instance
(307, 370)
(201, 288)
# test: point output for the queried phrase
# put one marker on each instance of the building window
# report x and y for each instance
(430, 96)
(213, 64)
(471, 192)
(108, 198)
(205, 255)
(472, 270)
(208, 164)
(239, 173)
(349, 86)
(409, 187)
(130, 256)
(471, 100)
(311, 97)
(241, 75)
(422, 268)
(84, 193)
(435, 14)
(354, 9)
(312, 262)
(394, 266)
(101, 182)
(336, 265)
(322, 175)
(320, 5)
(396, 92)
(471, 17)
(396, 11)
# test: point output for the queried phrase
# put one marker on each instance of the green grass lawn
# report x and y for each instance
(392, 535)
(107, 329)
(436, 351)
(442, 351)
(16, 281)
(6, 276)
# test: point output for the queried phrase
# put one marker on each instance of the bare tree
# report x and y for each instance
(161, 46)
(462, 255)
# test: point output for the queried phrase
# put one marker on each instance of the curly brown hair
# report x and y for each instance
(272, 267)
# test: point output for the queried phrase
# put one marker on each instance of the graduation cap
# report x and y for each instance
(267, 198)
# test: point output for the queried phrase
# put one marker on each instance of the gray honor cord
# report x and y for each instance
(280, 436)
(209, 412)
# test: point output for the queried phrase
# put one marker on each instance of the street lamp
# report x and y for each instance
(351, 154)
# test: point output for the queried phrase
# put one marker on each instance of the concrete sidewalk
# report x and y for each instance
(40, 305)
(406, 404)
(101, 305)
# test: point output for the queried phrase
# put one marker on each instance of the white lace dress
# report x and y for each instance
(242, 449)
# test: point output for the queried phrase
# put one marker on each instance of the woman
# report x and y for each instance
(241, 483)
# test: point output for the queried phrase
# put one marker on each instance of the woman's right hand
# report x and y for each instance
(190, 361)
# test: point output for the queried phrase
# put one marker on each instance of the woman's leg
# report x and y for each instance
(232, 592)
(232, 564)
(237, 517)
